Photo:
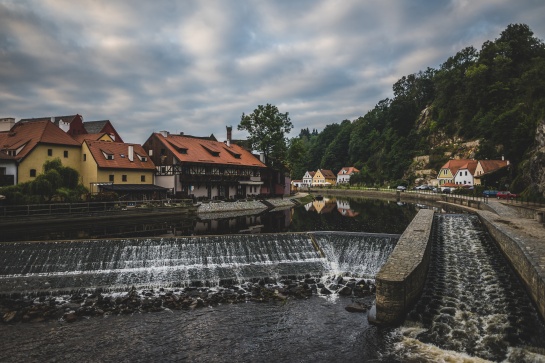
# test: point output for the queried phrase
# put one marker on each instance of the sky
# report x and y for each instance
(197, 66)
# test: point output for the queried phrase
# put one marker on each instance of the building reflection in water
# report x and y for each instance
(328, 205)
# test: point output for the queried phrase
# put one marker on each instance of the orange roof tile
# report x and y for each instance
(82, 137)
(30, 134)
(120, 155)
(455, 164)
(198, 150)
(328, 174)
(348, 170)
(471, 165)
(492, 165)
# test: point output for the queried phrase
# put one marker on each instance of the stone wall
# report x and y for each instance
(525, 256)
(400, 281)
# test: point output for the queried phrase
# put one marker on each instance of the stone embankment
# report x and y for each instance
(219, 207)
(98, 303)
(401, 280)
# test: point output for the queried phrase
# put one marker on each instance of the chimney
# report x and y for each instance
(164, 133)
(6, 123)
(262, 157)
(229, 134)
(130, 153)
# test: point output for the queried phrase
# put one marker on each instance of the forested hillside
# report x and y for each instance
(495, 95)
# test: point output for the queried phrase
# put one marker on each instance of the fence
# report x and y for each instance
(466, 194)
(60, 209)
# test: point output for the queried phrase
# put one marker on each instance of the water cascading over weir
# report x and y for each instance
(118, 264)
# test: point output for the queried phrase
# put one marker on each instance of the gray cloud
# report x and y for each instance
(196, 66)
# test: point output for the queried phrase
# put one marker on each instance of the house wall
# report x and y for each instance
(133, 176)
(463, 177)
(89, 168)
(11, 168)
(444, 176)
(36, 158)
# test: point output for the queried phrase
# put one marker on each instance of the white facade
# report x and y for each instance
(9, 167)
(463, 177)
(307, 180)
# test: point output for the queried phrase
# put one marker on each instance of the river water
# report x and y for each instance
(473, 308)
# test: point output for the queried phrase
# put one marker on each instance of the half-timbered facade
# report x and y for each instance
(204, 168)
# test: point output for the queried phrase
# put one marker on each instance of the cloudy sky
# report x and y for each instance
(196, 66)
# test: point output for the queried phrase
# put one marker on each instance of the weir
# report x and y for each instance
(118, 264)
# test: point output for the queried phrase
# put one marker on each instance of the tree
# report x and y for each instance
(267, 128)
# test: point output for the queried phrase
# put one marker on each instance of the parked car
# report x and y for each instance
(401, 188)
(506, 195)
(490, 193)
(422, 187)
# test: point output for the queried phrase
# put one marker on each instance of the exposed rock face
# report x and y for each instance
(536, 170)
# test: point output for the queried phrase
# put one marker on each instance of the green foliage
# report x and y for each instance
(57, 182)
(496, 95)
(267, 128)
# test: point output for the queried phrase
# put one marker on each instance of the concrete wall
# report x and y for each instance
(519, 253)
(401, 280)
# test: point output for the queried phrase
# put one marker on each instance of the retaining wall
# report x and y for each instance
(524, 255)
(401, 280)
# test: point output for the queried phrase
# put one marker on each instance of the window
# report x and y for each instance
(163, 152)
(65, 153)
(142, 178)
(32, 173)
(111, 178)
(2, 171)
(84, 157)
(49, 152)
(124, 177)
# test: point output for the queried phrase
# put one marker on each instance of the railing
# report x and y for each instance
(90, 208)
(530, 202)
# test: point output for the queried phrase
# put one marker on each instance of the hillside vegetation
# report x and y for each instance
(494, 96)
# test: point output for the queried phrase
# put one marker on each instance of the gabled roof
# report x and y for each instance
(197, 150)
(455, 164)
(492, 165)
(30, 134)
(328, 174)
(471, 165)
(55, 119)
(94, 137)
(311, 173)
(348, 170)
(120, 152)
(95, 127)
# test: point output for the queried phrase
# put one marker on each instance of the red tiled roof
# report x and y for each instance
(348, 170)
(492, 165)
(312, 173)
(455, 164)
(31, 134)
(82, 137)
(197, 150)
(471, 165)
(99, 148)
(328, 174)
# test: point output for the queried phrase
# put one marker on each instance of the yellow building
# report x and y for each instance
(324, 177)
(32, 143)
(111, 163)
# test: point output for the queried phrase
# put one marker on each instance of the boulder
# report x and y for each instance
(356, 308)
(345, 291)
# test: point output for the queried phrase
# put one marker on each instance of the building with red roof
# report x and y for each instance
(201, 167)
(27, 145)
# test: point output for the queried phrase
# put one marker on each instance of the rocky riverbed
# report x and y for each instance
(84, 305)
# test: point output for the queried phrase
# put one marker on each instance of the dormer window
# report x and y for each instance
(107, 155)
(142, 158)
(182, 150)
(212, 152)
